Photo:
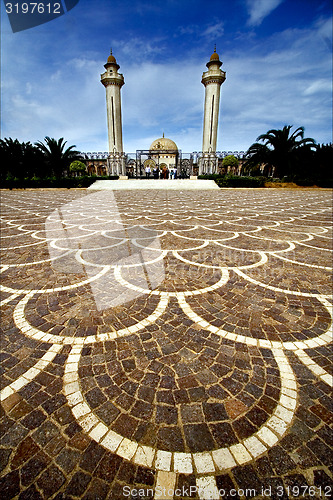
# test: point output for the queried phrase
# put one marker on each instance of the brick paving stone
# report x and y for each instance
(31, 469)
(34, 419)
(108, 467)
(78, 484)
(10, 484)
(67, 459)
(322, 479)
(96, 489)
(54, 447)
(51, 481)
(192, 413)
(208, 362)
(26, 449)
(126, 472)
(30, 493)
(321, 450)
(144, 476)
(243, 428)
(184, 483)
(15, 435)
(246, 478)
(170, 439)
(263, 467)
(275, 488)
(4, 457)
(91, 457)
(281, 462)
(198, 437)
(225, 484)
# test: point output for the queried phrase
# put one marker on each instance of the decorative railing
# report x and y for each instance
(104, 154)
(95, 156)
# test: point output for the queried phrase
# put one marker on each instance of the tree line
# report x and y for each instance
(286, 154)
(22, 160)
(279, 153)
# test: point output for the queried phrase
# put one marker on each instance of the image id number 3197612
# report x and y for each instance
(302, 491)
(33, 8)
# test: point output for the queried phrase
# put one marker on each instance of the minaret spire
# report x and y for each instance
(113, 81)
(212, 80)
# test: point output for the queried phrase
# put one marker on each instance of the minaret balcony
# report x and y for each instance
(213, 77)
(112, 79)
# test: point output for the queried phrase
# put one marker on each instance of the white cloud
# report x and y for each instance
(215, 30)
(286, 81)
(161, 98)
(66, 102)
(137, 48)
(324, 27)
(211, 31)
(317, 86)
(259, 9)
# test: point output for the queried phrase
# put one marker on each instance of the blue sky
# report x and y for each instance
(276, 53)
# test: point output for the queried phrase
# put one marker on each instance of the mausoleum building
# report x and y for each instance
(163, 153)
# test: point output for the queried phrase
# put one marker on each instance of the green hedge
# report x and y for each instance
(325, 183)
(212, 177)
(53, 182)
(253, 182)
(238, 181)
(221, 181)
(235, 180)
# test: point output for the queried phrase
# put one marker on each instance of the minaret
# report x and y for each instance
(113, 81)
(212, 80)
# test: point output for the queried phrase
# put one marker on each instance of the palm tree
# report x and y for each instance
(324, 160)
(19, 159)
(57, 157)
(281, 150)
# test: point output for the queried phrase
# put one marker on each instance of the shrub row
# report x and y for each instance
(235, 180)
(320, 182)
(221, 181)
(212, 177)
(52, 182)
(252, 182)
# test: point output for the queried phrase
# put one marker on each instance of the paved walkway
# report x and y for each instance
(166, 342)
(169, 184)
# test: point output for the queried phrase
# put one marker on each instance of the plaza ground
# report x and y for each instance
(166, 344)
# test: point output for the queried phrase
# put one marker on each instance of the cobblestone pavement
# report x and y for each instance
(164, 344)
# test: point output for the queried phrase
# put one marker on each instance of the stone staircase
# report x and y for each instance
(149, 184)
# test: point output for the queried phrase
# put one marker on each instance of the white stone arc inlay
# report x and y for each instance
(202, 462)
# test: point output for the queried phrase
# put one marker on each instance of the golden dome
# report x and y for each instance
(163, 144)
(214, 56)
(111, 59)
(111, 62)
(214, 59)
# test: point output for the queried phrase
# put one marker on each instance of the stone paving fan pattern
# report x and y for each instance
(215, 372)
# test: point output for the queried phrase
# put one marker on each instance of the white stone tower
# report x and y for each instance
(113, 81)
(212, 80)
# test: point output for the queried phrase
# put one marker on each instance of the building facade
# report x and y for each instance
(163, 152)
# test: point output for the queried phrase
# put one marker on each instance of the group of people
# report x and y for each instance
(164, 173)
